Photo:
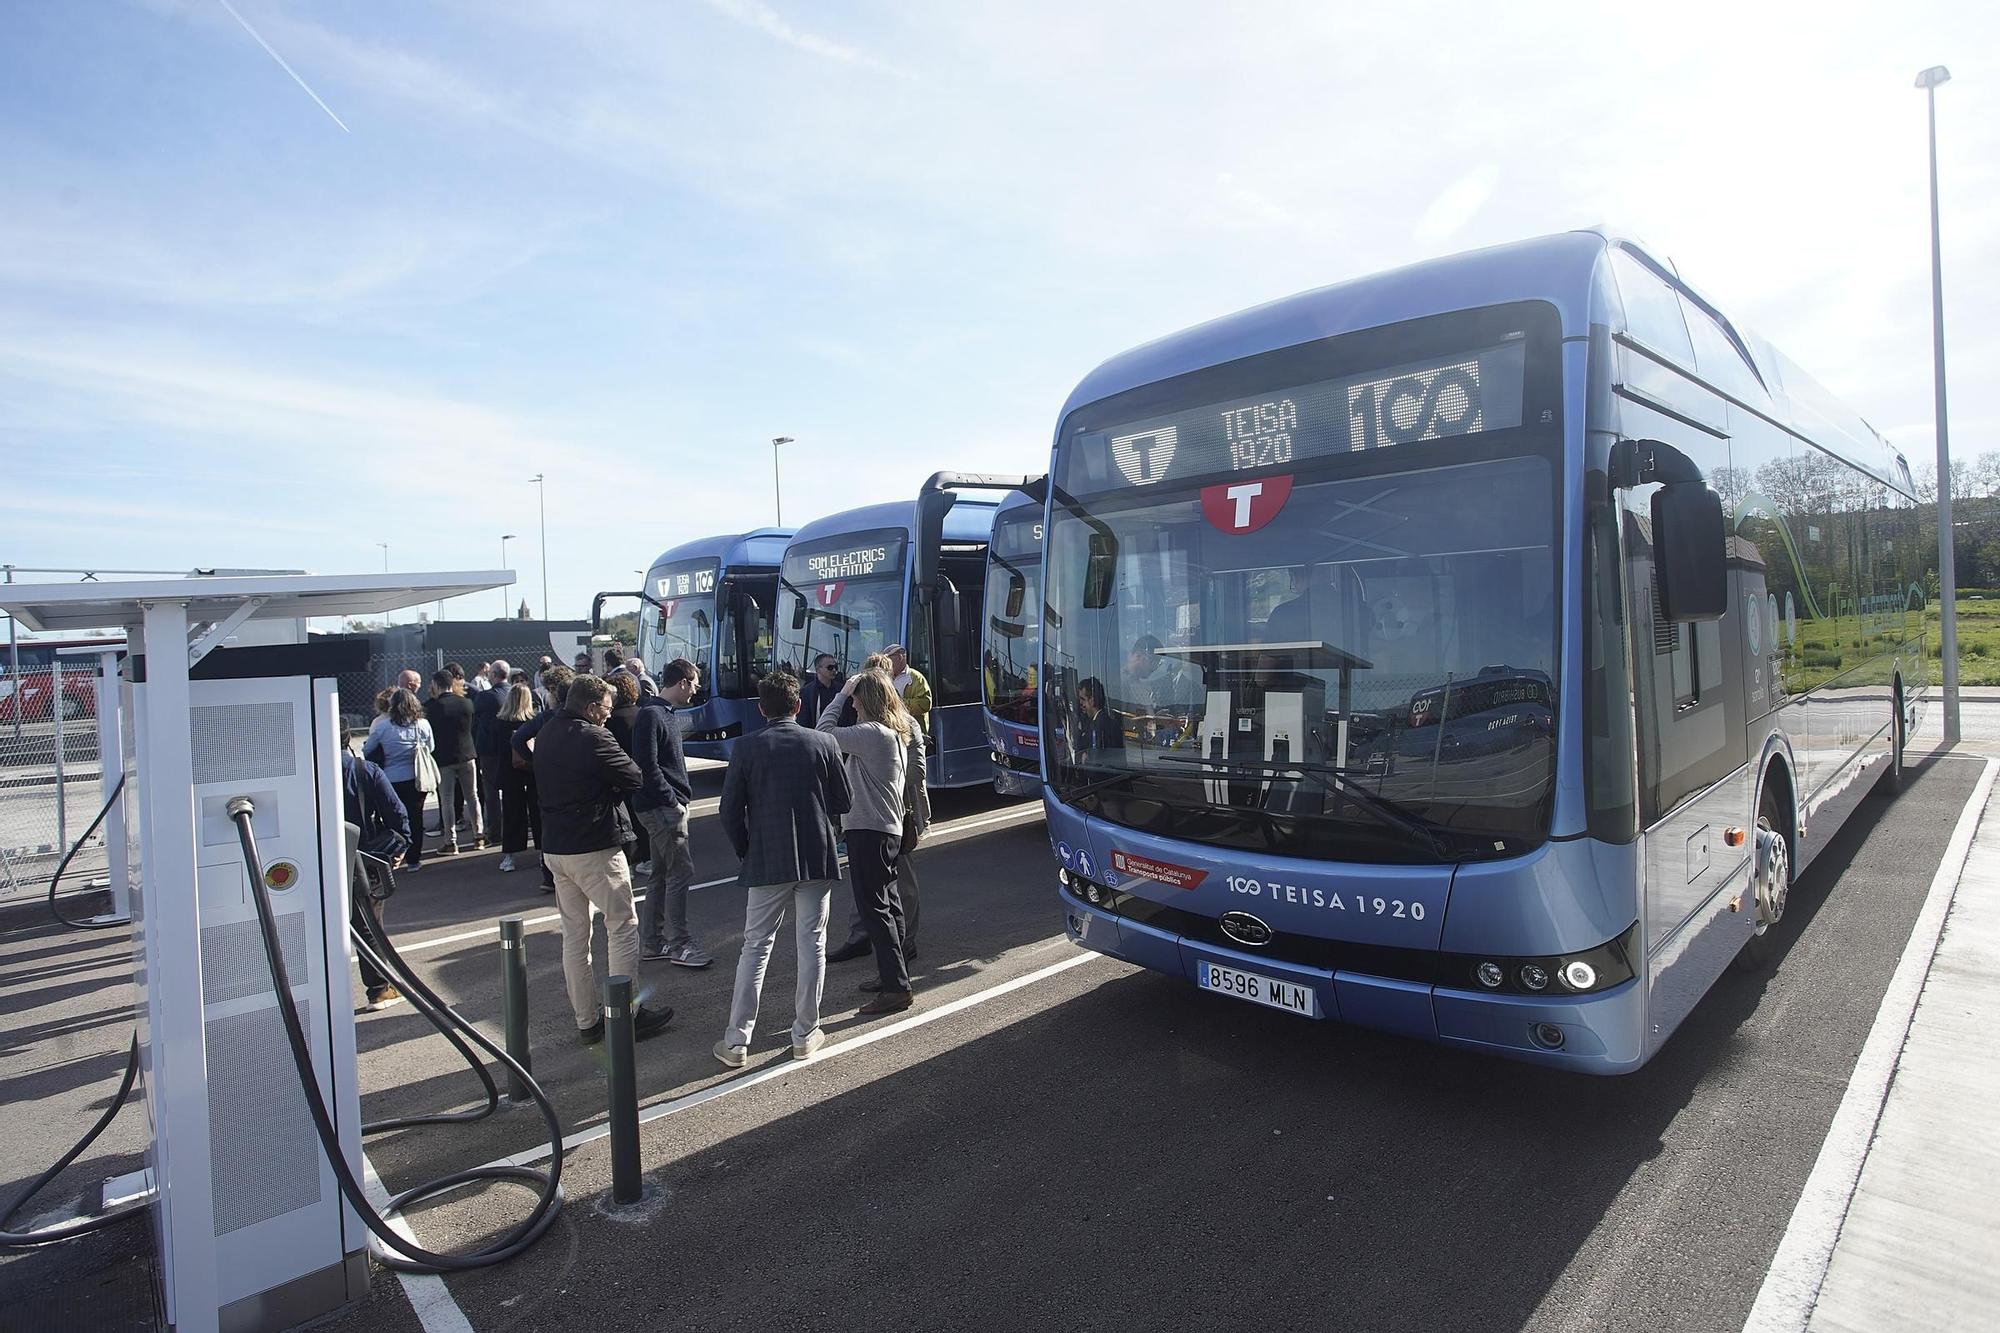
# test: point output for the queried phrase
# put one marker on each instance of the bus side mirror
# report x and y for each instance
(1100, 571)
(1689, 549)
(1017, 596)
(799, 614)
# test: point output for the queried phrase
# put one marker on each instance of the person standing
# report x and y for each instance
(785, 788)
(481, 680)
(876, 750)
(369, 802)
(582, 777)
(451, 716)
(914, 690)
(520, 812)
(624, 711)
(410, 679)
(489, 742)
(661, 805)
(824, 683)
(555, 683)
(393, 743)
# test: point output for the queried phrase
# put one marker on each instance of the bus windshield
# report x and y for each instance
(842, 596)
(1332, 665)
(1011, 654)
(683, 625)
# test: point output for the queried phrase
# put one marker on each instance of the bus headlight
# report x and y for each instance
(1534, 976)
(1579, 972)
(1491, 975)
(1062, 876)
(1578, 975)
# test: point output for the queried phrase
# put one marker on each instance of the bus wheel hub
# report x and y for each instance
(1773, 876)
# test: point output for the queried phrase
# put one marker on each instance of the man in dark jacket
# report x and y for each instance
(451, 716)
(369, 802)
(581, 778)
(489, 741)
(781, 802)
(662, 808)
(822, 689)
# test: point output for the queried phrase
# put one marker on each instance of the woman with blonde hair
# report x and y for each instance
(520, 810)
(875, 750)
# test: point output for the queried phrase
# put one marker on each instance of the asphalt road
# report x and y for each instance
(1096, 1148)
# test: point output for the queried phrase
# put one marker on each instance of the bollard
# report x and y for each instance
(514, 1002)
(623, 1090)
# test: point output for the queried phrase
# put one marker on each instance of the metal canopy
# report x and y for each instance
(76, 606)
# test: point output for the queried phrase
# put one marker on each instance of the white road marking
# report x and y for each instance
(939, 833)
(781, 1068)
(1791, 1287)
(429, 1297)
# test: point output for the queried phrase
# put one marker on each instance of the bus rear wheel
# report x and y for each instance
(1770, 878)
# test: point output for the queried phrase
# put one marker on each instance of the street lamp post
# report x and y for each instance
(1929, 80)
(777, 492)
(542, 499)
(505, 537)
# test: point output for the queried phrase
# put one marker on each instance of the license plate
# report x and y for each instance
(1289, 996)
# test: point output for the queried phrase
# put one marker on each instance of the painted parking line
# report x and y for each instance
(1792, 1284)
(782, 1068)
(939, 833)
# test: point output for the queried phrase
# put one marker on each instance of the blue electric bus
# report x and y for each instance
(1010, 660)
(908, 572)
(711, 601)
(1475, 651)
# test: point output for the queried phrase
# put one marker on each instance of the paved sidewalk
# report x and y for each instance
(1899, 1226)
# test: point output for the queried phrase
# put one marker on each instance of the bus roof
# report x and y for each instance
(969, 520)
(1568, 271)
(1015, 501)
(759, 546)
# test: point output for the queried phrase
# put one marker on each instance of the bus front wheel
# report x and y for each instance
(1770, 877)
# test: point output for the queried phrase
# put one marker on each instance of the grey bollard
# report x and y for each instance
(514, 965)
(623, 1090)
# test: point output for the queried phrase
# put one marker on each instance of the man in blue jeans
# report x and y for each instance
(661, 805)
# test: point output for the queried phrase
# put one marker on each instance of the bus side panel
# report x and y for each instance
(959, 756)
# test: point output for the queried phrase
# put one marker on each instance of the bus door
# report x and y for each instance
(1688, 676)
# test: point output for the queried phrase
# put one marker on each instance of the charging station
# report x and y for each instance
(231, 700)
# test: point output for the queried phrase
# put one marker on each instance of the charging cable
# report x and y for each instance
(70, 855)
(395, 1251)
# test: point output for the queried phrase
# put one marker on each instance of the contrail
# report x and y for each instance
(282, 65)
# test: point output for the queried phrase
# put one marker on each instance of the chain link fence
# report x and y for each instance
(51, 783)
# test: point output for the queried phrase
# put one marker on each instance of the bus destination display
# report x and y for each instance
(879, 553)
(1461, 394)
(1019, 536)
(696, 580)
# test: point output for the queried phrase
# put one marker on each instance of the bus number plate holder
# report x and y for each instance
(1267, 991)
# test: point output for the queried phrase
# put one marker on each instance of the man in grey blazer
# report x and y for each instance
(781, 805)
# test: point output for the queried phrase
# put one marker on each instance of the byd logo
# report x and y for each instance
(1237, 507)
(826, 594)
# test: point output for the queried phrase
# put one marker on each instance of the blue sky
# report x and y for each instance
(625, 245)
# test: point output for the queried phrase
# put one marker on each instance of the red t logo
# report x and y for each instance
(828, 593)
(1238, 507)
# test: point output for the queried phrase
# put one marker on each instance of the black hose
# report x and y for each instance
(397, 1252)
(373, 942)
(81, 1226)
(70, 855)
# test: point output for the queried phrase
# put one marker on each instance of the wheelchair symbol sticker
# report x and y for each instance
(1063, 853)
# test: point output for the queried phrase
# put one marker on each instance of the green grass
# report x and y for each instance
(1978, 640)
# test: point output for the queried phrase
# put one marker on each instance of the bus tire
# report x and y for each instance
(1771, 875)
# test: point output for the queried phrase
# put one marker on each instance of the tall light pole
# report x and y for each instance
(1947, 570)
(505, 537)
(542, 498)
(388, 617)
(777, 492)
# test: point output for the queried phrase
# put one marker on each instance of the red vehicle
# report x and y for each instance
(30, 696)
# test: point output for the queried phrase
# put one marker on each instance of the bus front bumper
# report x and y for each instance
(1602, 1033)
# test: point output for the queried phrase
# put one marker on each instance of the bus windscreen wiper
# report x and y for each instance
(1385, 810)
